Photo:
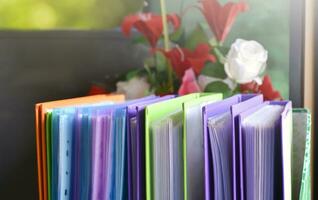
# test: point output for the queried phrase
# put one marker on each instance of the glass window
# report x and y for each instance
(266, 22)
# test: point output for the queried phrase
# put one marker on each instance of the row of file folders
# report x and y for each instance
(192, 147)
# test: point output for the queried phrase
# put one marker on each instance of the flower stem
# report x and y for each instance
(219, 55)
(165, 24)
(166, 40)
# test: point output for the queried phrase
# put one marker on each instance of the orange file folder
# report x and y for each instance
(40, 110)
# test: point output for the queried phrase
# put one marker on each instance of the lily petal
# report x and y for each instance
(149, 24)
(189, 83)
(182, 59)
(221, 18)
(175, 20)
(128, 24)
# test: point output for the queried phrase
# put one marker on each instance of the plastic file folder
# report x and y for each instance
(73, 178)
(154, 113)
(193, 146)
(119, 183)
(233, 105)
(167, 157)
(266, 149)
(301, 168)
(196, 146)
(83, 154)
(136, 149)
(101, 146)
(40, 112)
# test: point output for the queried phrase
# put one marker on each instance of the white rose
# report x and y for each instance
(136, 87)
(245, 61)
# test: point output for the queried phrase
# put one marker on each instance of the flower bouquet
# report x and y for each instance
(183, 63)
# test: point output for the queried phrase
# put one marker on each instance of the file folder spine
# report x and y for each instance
(38, 150)
(246, 101)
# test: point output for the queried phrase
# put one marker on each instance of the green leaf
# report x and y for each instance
(161, 62)
(150, 75)
(150, 61)
(161, 77)
(132, 73)
(157, 60)
(237, 90)
(219, 87)
(215, 70)
(196, 37)
(178, 37)
(140, 40)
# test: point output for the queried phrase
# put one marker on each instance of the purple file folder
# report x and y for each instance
(235, 105)
(100, 138)
(104, 150)
(280, 183)
(119, 181)
(137, 111)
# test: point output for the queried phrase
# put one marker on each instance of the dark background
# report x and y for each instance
(43, 66)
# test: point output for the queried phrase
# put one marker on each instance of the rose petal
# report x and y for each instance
(244, 63)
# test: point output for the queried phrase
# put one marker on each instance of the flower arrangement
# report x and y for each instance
(186, 63)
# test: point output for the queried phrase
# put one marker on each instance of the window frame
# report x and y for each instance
(296, 53)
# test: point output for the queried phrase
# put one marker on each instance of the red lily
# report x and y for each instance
(149, 24)
(182, 59)
(266, 89)
(221, 18)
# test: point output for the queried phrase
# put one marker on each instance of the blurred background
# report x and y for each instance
(65, 14)
(54, 49)
(266, 22)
